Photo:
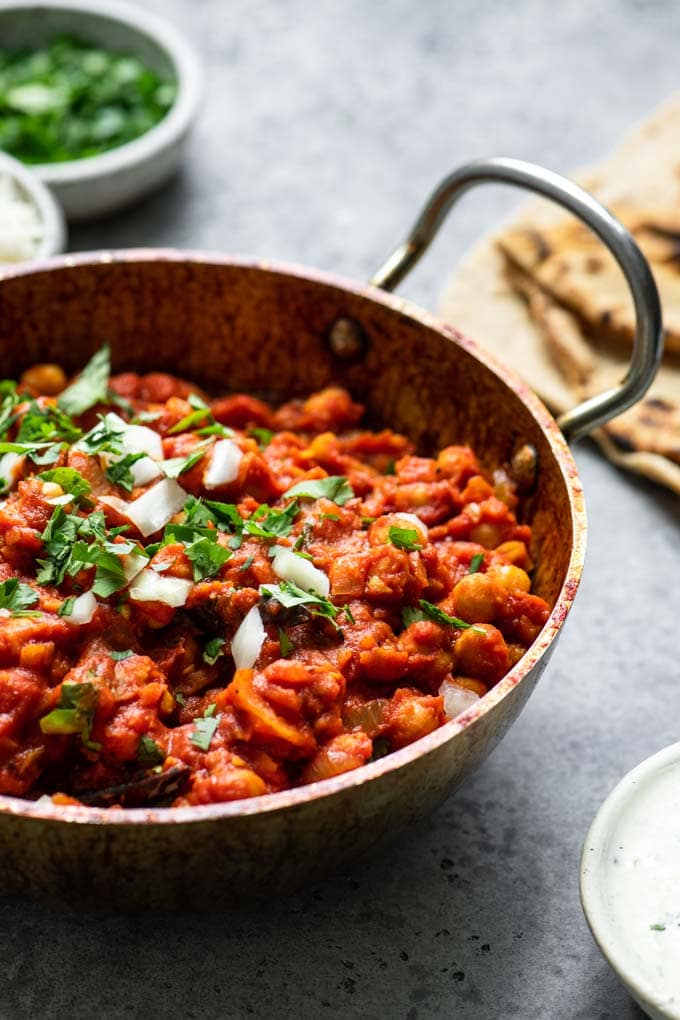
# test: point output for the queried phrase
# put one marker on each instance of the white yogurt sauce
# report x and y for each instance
(640, 885)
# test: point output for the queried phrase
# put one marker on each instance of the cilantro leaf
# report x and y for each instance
(120, 471)
(75, 712)
(409, 539)
(476, 562)
(91, 386)
(16, 596)
(69, 479)
(213, 650)
(287, 646)
(121, 656)
(271, 523)
(334, 487)
(438, 615)
(104, 437)
(262, 436)
(411, 615)
(149, 754)
(66, 608)
(204, 729)
(176, 466)
(289, 595)
(201, 546)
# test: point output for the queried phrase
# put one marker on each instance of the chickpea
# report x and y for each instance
(510, 577)
(475, 598)
(47, 380)
(471, 684)
(486, 534)
(515, 552)
(481, 652)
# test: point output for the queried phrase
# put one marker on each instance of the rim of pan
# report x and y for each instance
(301, 795)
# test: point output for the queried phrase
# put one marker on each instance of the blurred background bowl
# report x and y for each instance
(53, 229)
(98, 185)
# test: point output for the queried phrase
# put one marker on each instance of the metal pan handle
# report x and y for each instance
(648, 345)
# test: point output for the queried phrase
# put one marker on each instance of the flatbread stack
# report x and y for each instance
(549, 300)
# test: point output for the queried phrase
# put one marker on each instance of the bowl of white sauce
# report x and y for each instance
(630, 882)
(31, 221)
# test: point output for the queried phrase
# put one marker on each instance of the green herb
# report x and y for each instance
(287, 645)
(9, 399)
(214, 648)
(191, 420)
(177, 466)
(224, 516)
(210, 711)
(262, 436)
(247, 564)
(270, 523)
(180, 699)
(367, 521)
(66, 608)
(120, 472)
(657, 927)
(75, 712)
(289, 595)
(149, 754)
(68, 99)
(91, 386)
(66, 553)
(204, 729)
(16, 596)
(201, 547)
(120, 656)
(476, 562)
(105, 437)
(390, 468)
(70, 480)
(438, 615)
(411, 615)
(215, 429)
(329, 517)
(409, 539)
(334, 487)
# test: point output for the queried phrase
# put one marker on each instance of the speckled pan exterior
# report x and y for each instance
(231, 324)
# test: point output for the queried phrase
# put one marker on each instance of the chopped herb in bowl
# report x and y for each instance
(70, 100)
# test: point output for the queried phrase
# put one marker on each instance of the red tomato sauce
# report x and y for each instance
(387, 590)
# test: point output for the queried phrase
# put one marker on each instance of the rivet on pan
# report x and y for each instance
(347, 340)
(524, 468)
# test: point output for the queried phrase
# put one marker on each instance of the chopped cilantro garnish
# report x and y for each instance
(69, 479)
(177, 466)
(179, 698)
(149, 753)
(66, 608)
(410, 614)
(67, 553)
(262, 436)
(289, 595)
(657, 927)
(216, 430)
(201, 546)
(204, 729)
(120, 656)
(75, 712)
(334, 487)
(214, 648)
(247, 564)
(390, 468)
(191, 420)
(120, 472)
(104, 437)
(438, 615)
(16, 596)
(476, 562)
(287, 645)
(409, 539)
(270, 523)
(329, 517)
(91, 386)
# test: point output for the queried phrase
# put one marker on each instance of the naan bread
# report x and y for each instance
(547, 298)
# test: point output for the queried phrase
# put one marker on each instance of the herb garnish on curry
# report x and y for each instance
(203, 600)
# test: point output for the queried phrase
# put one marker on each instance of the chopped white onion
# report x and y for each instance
(136, 439)
(248, 640)
(83, 609)
(150, 586)
(416, 522)
(225, 458)
(153, 509)
(11, 465)
(290, 567)
(133, 564)
(456, 699)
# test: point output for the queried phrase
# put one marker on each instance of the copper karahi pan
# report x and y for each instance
(281, 331)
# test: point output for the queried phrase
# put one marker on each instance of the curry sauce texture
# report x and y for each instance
(208, 599)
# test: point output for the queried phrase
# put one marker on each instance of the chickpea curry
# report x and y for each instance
(207, 599)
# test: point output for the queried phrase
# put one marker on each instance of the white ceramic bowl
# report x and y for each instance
(53, 238)
(630, 882)
(97, 185)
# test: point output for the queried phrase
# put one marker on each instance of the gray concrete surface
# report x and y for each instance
(324, 126)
